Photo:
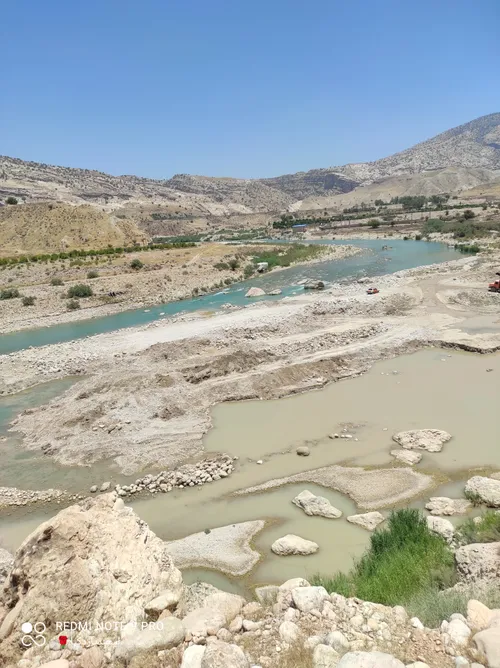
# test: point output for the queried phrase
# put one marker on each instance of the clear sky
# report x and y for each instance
(239, 87)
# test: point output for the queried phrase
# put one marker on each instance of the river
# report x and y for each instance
(373, 261)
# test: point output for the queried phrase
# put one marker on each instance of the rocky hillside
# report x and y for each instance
(43, 227)
(473, 146)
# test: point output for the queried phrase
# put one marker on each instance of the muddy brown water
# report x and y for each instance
(432, 388)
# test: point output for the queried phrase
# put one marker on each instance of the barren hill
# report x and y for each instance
(43, 227)
(472, 150)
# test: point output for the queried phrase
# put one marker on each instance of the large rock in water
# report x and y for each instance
(291, 544)
(255, 292)
(431, 440)
(316, 505)
(484, 489)
(368, 521)
(314, 285)
(93, 562)
(442, 505)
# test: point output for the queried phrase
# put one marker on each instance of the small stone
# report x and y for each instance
(93, 489)
(303, 451)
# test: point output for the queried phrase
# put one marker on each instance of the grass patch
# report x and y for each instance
(284, 257)
(432, 606)
(485, 529)
(403, 560)
(473, 497)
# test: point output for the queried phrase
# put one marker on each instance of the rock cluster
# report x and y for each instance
(11, 496)
(189, 475)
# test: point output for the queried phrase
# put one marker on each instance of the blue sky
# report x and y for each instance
(242, 88)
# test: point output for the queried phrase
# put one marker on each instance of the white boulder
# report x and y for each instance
(431, 440)
(316, 505)
(291, 544)
(407, 456)
(459, 632)
(166, 634)
(369, 660)
(325, 656)
(369, 521)
(441, 527)
(255, 292)
(478, 561)
(488, 644)
(289, 632)
(306, 599)
(193, 656)
(222, 655)
(485, 490)
(442, 505)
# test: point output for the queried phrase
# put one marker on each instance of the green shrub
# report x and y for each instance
(374, 224)
(28, 301)
(248, 270)
(136, 264)
(11, 200)
(9, 293)
(485, 529)
(80, 290)
(468, 214)
(221, 266)
(403, 560)
(73, 305)
(418, 237)
(92, 274)
(233, 263)
(57, 281)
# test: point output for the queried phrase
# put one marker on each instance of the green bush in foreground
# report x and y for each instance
(136, 264)
(80, 290)
(92, 274)
(9, 293)
(403, 560)
(57, 281)
(28, 301)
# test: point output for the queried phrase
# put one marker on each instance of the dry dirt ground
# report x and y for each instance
(158, 382)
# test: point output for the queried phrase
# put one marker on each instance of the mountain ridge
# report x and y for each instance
(473, 145)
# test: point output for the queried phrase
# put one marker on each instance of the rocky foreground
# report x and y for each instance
(94, 587)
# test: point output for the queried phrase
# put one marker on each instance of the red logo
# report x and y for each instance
(63, 640)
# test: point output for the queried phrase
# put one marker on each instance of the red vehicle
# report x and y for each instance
(372, 291)
(494, 287)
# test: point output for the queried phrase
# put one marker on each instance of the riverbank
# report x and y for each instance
(165, 276)
(267, 351)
